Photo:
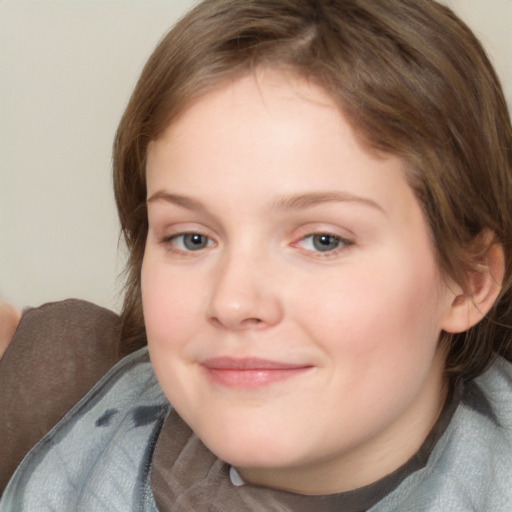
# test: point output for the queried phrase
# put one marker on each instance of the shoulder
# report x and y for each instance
(490, 398)
(67, 317)
(70, 332)
(58, 352)
(497, 380)
(470, 468)
(103, 446)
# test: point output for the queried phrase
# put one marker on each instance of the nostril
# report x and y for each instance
(236, 324)
(253, 321)
(215, 321)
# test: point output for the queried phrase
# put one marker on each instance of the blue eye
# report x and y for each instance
(324, 242)
(191, 241)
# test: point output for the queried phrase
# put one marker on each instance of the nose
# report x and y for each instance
(244, 295)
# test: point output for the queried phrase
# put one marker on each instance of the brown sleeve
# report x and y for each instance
(57, 353)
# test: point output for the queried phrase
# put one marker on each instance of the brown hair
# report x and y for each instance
(413, 81)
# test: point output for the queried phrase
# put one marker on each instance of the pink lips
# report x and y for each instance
(251, 372)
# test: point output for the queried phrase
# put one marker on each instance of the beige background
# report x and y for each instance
(66, 70)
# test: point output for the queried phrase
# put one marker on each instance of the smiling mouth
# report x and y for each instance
(250, 373)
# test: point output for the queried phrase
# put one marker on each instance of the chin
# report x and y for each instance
(253, 453)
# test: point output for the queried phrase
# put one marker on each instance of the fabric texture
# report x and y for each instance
(57, 354)
(123, 448)
(186, 474)
(99, 457)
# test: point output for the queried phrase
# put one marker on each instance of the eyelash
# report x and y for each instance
(170, 242)
(342, 244)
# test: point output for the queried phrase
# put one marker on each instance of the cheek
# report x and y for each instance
(383, 310)
(169, 303)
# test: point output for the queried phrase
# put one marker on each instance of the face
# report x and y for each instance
(291, 294)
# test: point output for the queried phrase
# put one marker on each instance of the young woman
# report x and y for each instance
(317, 200)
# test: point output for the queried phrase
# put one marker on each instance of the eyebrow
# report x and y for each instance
(307, 200)
(184, 201)
(292, 202)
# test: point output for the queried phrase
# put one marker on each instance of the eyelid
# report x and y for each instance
(346, 242)
(339, 238)
(182, 235)
(168, 235)
(167, 228)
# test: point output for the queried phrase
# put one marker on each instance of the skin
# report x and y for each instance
(9, 320)
(308, 252)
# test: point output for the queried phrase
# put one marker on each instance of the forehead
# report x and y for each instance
(264, 91)
(269, 132)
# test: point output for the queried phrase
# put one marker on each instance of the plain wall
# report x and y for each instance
(66, 71)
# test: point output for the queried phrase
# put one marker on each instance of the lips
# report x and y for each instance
(250, 372)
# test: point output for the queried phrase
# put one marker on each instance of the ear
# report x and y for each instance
(484, 284)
